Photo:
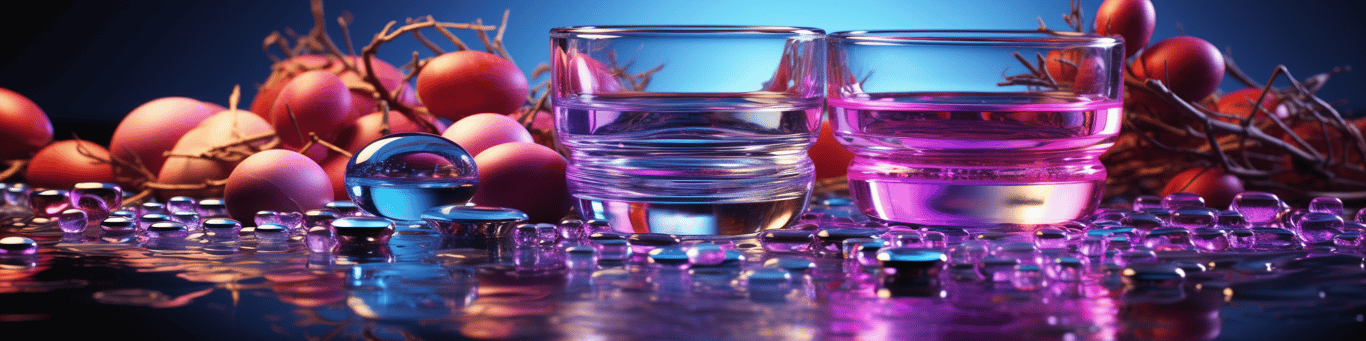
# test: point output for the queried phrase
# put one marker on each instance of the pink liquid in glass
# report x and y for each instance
(976, 159)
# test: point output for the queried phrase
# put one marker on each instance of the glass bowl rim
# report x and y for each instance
(974, 37)
(685, 30)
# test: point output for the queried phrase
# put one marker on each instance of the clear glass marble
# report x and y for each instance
(403, 175)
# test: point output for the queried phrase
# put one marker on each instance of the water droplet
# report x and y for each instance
(1259, 208)
(213, 208)
(1318, 227)
(48, 203)
(182, 204)
(72, 221)
(1329, 205)
(96, 198)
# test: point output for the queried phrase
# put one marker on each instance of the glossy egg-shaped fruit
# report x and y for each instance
(315, 102)
(1191, 67)
(24, 128)
(153, 128)
(222, 129)
(1132, 19)
(65, 163)
(276, 180)
(525, 176)
(462, 83)
(479, 132)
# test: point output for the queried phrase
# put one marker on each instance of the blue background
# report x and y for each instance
(87, 64)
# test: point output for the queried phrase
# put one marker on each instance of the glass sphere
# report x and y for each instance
(402, 175)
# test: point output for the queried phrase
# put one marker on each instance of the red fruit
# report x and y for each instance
(366, 129)
(320, 104)
(1217, 187)
(831, 158)
(1132, 19)
(463, 83)
(525, 176)
(218, 130)
(335, 166)
(152, 129)
(362, 102)
(61, 165)
(275, 180)
(480, 132)
(1239, 103)
(24, 128)
(1191, 67)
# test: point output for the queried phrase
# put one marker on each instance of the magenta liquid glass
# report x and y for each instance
(953, 128)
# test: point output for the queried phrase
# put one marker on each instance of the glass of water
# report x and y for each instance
(689, 130)
(975, 128)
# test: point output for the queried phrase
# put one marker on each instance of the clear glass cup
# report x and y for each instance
(973, 128)
(689, 130)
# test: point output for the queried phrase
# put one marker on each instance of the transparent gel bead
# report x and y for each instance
(1193, 218)
(96, 198)
(670, 256)
(581, 257)
(1145, 202)
(118, 225)
(294, 221)
(1028, 277)
(831, 240)
(48, 203)
(362, 230)
(266, 217)
(169, 230)
(1176, 201)
(1210, 239)
(643, 243)
(1241, 239)
(222, 228)
(182, 204)
(612, 249)
(16, 194)
(967, 253)
(706, 254)
(1318, 227)
(475, 222)
(319, 239)
(346, 208)
(1169, 239)
(320, 217)
(17, 246)
(572, 230)
(1231, 219)
(271, 233)
(1328, 205)
(1142, 220)
(532, 235)
(152, 208)
(1275, 239)
(1348, 240)
(904, 238)
(787, 240)
(147, 220)
(1360, 217)
(72, 221)
(189, 218)
(400, 176)
(1259, 208)
(212, 208)
(1050, 238)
